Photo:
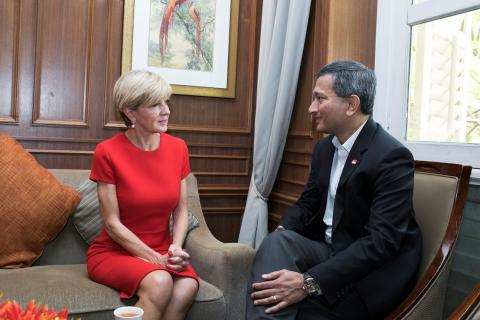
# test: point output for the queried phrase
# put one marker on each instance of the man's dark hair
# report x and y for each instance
(352, 78)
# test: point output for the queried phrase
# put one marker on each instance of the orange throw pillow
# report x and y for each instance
(34, 206)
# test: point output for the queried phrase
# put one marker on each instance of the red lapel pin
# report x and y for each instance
(354, 161)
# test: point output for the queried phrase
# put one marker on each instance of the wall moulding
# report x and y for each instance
(291, 181)
(284, 197)
(274, 217)
(301, 133)
(59, 123)
(9, 119)
(10, 110)
(220, 164)
(219, 145)
(297, 163)
(59, 62)
(114, 23)
(66, 152)
(223, 210)
(57, 139)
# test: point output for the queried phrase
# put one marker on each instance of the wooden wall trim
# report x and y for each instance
(59, 152)
(296, 163)
(252, 75)
(217, 174)
(300, 183)
(112, 124)
(275, 217)
(231, 194)
(219, 156)
(14, 108)
(301, 133)
(223, 210)
(110, 76)
(321, 31)
(286, 198)
(88, 64)
(55, 139)
(222, 191)
(60, 123)
(36, 112)
(220, 145)
(302, 152)
(229, 171)
(216, 188)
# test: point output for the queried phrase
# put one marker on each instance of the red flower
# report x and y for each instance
(11, 310)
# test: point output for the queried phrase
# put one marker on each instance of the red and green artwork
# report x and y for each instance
(181, 34)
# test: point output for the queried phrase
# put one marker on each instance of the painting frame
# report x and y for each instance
(178, 88)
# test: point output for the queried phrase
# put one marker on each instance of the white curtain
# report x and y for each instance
(284, 25)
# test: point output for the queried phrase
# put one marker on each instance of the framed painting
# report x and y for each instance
(192, 44)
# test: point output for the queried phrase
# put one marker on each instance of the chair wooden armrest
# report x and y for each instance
(428, 294)
(470, 307)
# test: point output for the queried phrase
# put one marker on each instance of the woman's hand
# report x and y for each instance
(156, 258)
(178, 258)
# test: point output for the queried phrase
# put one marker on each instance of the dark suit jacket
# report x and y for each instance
(376, 241)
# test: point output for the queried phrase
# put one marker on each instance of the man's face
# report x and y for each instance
(327, 109)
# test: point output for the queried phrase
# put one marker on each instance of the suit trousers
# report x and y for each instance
(292, 251)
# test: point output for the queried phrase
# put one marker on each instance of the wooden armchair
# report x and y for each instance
(439, 196)
(470, 308)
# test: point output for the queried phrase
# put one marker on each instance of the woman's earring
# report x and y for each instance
(132, 125)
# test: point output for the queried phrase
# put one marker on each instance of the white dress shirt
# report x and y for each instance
(339, 158)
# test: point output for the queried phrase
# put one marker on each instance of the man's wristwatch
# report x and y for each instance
(310, 286)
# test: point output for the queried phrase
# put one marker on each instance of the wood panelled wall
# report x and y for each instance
(338, 29)
(59, 61)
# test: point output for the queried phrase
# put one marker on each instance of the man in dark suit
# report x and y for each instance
(349, 248)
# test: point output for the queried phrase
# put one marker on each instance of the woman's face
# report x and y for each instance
(153, 119)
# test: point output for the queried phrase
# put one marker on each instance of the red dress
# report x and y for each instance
(148, 190)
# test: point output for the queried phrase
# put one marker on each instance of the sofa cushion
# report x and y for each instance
(34, 206)
(69, 286)
(87, 218)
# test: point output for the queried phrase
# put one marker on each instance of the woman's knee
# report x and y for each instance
(157, 286)
(185, 289)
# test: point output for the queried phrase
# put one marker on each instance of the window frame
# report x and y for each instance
(392, 58)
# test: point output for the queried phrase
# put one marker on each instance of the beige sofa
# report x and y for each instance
(59, 278)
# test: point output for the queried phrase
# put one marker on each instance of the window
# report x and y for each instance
(428, 69)
(444, 81)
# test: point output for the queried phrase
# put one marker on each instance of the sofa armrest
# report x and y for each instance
(225, 265)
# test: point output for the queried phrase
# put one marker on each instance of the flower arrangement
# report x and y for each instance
(11, 310)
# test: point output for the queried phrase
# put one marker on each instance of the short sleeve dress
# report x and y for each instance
(148, 190)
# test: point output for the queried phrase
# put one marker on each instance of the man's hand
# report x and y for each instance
(280, 289)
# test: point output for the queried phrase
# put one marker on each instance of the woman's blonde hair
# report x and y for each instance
(139, 88)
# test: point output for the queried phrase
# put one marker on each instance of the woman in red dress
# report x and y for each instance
(140, 177)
